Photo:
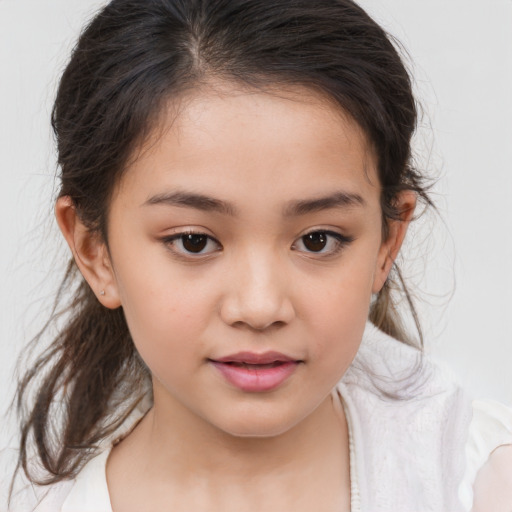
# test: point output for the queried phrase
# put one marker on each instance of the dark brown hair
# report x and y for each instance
(132, 58)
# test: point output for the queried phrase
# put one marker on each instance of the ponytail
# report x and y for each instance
(92, 378)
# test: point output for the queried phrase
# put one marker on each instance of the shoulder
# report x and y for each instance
(488, 480)
(408, 420)
(493, 485)
(87, 492)
(465, 444)
(19, 494)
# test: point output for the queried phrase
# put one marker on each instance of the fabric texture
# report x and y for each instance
(416, 440)
(409, 424)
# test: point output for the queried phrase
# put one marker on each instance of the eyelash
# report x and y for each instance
(170, 242)
(340, 241)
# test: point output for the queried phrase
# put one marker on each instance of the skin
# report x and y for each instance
(493, 483)
(257, 287)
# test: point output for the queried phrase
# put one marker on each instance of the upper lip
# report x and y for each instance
(254, 358)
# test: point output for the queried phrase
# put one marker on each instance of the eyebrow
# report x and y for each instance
(191, 200)
(205, 203)
(335, 200)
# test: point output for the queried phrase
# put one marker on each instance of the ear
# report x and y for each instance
(389, 249)
(90, 253)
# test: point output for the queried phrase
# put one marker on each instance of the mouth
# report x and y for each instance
(256, 373)
(251, 366)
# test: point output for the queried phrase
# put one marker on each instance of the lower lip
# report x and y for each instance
(256, 380)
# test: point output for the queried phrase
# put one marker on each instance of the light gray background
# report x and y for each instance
(461, 260)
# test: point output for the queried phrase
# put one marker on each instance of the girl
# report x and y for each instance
(236, 184)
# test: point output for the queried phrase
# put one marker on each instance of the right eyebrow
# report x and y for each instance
(192, 200)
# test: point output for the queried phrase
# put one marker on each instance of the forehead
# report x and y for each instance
(244, 143)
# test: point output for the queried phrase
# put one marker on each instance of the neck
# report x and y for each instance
(187, 463)
(206, 451)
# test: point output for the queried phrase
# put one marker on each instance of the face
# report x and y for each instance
(245, 244)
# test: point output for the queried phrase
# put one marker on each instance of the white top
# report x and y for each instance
(416, 440)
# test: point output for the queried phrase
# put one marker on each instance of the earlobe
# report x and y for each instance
(397, 229)
(90, 253)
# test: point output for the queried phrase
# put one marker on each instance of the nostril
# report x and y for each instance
(259, 328)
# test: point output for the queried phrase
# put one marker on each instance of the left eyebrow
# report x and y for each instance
(337, 200)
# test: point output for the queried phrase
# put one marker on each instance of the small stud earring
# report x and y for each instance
(102, 292)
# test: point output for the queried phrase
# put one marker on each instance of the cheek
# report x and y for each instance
(338, 315)
(167, 328)
(163, 309)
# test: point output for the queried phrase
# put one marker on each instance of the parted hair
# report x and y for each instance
(131, 60)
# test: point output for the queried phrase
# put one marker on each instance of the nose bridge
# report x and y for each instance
(259, 293)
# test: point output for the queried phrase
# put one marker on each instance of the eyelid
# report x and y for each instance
(342, 241)
(169, 240)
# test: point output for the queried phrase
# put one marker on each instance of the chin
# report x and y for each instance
(257, 425)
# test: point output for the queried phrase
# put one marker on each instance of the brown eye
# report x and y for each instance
(322, 243)
(315, 242)
(194, 243)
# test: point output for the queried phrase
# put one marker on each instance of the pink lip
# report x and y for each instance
(253, 372)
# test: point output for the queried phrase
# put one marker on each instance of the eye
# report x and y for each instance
(192, 243)
(323, 242)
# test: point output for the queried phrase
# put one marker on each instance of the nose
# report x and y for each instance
(258, 294)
